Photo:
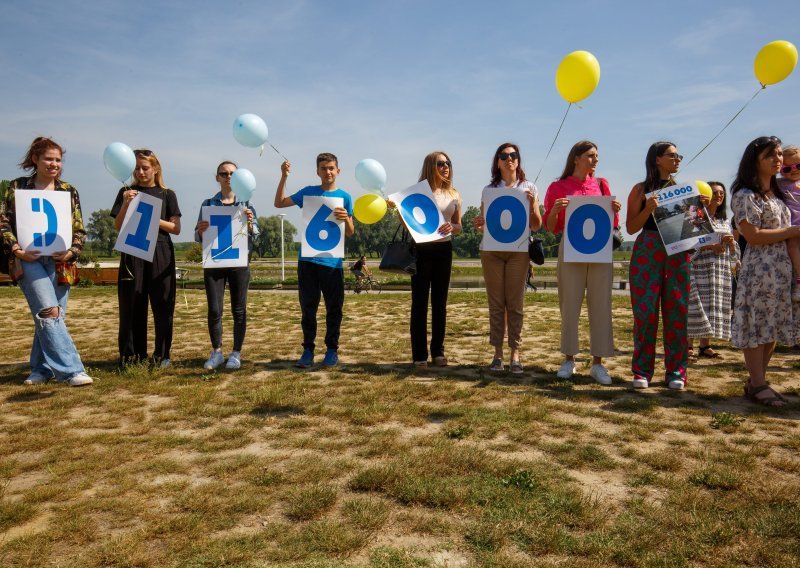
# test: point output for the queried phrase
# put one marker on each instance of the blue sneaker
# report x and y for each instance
(306, 360)
(331, 358)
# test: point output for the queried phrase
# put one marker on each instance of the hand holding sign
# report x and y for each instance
(322, 236)
(44, 222)
(224, 237)
(139, 231)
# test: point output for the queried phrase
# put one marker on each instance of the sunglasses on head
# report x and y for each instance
(143, 152)
(443, 163)
(506, 155)
(788, 169)
(766, 141)
(225, 174)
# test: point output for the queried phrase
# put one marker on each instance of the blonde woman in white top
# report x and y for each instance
(505, 272)
(434, 262)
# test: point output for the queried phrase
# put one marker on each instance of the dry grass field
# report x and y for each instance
(373, 464)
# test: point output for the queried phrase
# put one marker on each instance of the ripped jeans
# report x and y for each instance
(53, 352)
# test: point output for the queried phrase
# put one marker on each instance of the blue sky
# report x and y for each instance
(385, 80)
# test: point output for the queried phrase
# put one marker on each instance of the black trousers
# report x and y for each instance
(434, 262)
(139, 282)
(238, 280)
(313, 280)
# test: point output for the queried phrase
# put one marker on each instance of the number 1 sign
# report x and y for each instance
(225, 240)
(323, 234)
(139, 231)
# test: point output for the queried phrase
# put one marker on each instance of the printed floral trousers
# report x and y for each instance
(659, 280)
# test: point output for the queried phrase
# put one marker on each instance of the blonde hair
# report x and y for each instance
(791, 151)
(151, 157)
(431, 173)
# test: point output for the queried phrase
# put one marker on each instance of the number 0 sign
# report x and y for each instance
(323, 234)
(418, 209)
(139, 232)
(507, 220)
(587, 229)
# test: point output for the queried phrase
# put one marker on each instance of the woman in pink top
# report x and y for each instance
(576, 279)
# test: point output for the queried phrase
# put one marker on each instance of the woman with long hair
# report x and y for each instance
(658, 281)
(505, 271)
(237, 277)
(764, 313)
(45, 279)
(434, 263)
(140, 281)
(711, 280)
(576, 279)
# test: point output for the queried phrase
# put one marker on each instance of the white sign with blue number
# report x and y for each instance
(418, 209)
(225, 240)
(682, 219)
(322, 235)
(588, 224)
(44, 220)
(506, 212)
(139, 232)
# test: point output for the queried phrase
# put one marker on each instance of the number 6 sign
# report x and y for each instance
(139, 231)
(323, 234)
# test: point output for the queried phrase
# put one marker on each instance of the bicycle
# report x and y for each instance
(366, 284)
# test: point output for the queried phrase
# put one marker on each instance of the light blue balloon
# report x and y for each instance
(243, 184)
(250, 130)
(370, 174)
(119, 161)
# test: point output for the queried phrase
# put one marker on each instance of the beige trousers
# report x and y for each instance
(594, 280)
(505, 274)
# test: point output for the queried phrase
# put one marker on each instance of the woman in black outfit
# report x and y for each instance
(139, 280)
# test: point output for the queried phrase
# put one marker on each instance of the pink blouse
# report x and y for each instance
(571, 186)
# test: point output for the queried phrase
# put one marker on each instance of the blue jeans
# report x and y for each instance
(53, 351)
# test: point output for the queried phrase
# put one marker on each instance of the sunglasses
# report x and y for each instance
(143, 152)
(673, 155)
(764, 140)
(224, 174)
(506, 155)
(443, 163)
(788, 169)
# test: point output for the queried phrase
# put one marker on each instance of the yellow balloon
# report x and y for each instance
(775, 62)
(369, 208)
(577, 76)
(705, 189)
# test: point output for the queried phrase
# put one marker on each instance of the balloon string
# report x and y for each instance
(553, 144)
(726, 126)
(278, 151)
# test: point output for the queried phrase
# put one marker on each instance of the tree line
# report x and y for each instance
(369, 240)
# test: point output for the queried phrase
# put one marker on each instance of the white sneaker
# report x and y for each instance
(36, 378)
(165, 363)
(214, 360)
(600, 374)
(566, 370)
(79, 380)
(234, 360)
(640, 383)
(677, 384)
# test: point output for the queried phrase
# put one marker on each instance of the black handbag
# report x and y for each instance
(399, 256)
(536, 250)
(616, 234)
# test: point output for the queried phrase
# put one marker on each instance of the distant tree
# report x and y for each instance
(467, 244)
(101, 232)
(194, 253)
(371, 240)
(269, 236)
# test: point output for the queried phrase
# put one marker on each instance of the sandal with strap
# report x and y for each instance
(708, 352)
(751, 393)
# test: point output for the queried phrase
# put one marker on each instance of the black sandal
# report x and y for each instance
(708, 352)
(750, 394)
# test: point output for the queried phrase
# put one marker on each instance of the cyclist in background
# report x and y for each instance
(360, 270)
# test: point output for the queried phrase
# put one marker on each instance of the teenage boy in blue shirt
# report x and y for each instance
(320, 275)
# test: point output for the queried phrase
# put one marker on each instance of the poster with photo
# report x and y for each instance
(681, 217)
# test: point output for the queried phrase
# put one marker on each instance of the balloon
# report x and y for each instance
(119, 161)
(705, 189)
(369, 208)
(243, 184)
(370, 174)
(774, 62)
(577, 76)
(250, 130)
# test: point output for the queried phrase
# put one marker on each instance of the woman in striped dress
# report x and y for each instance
(711, 282)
